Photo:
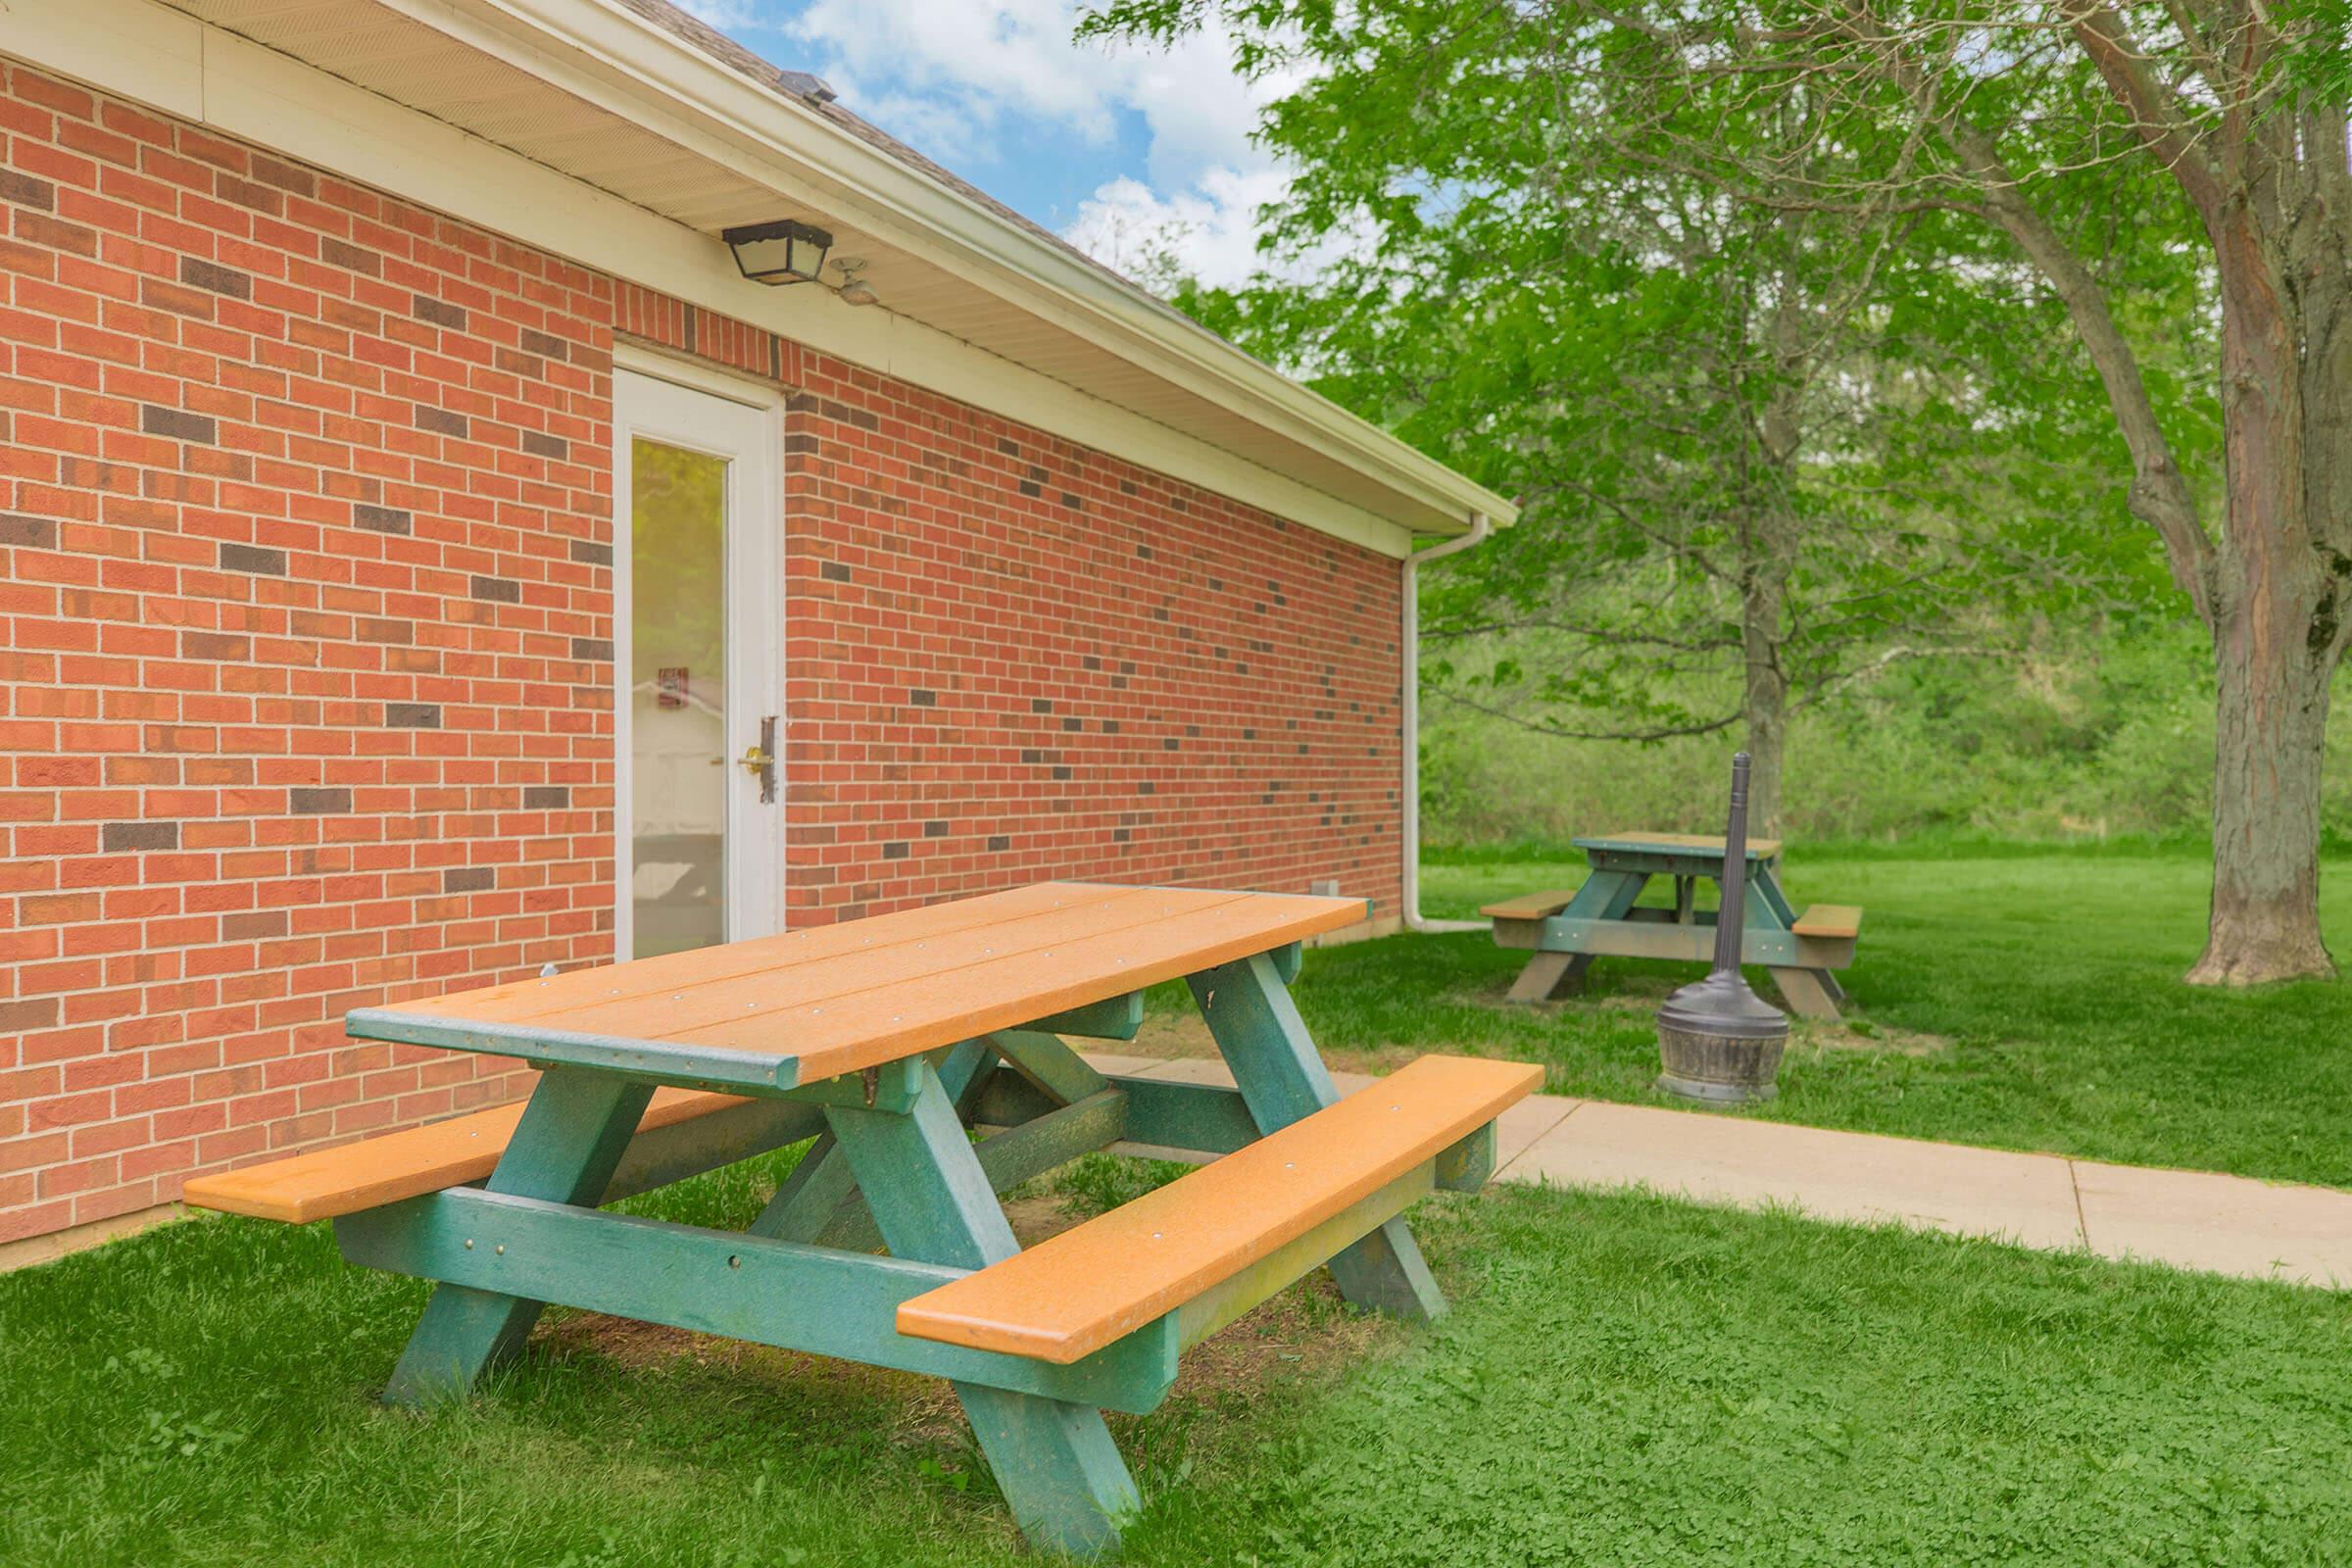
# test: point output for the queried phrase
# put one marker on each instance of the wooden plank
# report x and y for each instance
(1086, 1287)
(769, 1042)
(784, 1294)
(1831, 921)
(689, 1004)
(403, 1164)
(1681, 846)
(644, 977)
(1695, 943)
(1230, 1298)
(1529, 906)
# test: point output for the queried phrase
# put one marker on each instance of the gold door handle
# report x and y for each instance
(759, 760)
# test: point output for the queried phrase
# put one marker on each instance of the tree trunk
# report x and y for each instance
(2277, 612)
(1764, 697)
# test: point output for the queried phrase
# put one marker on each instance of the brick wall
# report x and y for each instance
(305, 586)
(1010, 658)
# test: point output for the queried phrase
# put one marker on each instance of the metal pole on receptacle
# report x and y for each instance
(1717, 1041)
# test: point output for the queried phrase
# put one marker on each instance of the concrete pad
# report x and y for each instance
(1829, 1175)
(1187, 1070)
(2222, 1224)
(1518, 1128)
(1128, 1067)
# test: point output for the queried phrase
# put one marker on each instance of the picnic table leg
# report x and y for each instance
(573, 1134)
(1809, 993)
(821, 1184)
(1606, 896)
(1055, 1461)
(1275, 1065)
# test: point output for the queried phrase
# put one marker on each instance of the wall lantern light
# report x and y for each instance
(786, 251)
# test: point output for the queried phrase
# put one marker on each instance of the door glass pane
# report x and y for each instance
(678, 697)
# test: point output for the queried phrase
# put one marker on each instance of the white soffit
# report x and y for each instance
(593, 90)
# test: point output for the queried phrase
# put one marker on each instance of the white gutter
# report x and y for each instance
(1480, 526)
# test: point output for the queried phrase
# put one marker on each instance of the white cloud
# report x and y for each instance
(955, 78)
(1207, 233)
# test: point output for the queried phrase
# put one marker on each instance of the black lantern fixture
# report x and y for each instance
(786, 251)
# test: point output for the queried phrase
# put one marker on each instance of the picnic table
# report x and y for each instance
(890, 1042)
(1568, 930)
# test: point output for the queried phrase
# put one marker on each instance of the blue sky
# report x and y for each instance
(1129, 151)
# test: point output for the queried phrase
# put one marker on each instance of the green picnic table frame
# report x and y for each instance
(894, 1164)
(1567, 931)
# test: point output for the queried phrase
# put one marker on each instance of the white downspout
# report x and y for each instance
(1480, 526)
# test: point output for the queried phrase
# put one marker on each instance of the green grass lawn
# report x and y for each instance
(1625, 1381)
(2047, 988)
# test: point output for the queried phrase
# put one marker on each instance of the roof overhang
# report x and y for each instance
(600, 95)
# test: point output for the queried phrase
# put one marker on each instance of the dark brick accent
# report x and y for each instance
(216, 277)
(412, 715)
(546, 797)
(546, 347)
(923, 699)
(285, 176)
(219, 645)
(589, 552)
(382, 520)
(351, 258)
(498, 590)
(546, 446)
(253, 559)
(1030, 487)
(441, 421)
(254, 925)
(27, 192)
(37, 1013)
(833, 571)
(896, 849)
(438, 312)
(318, 801)
(592, 648)
(468, 879)
(39, 532)
(998, 843)
(935, 829)
(1040, 705)
(176, 424)
(141, 836)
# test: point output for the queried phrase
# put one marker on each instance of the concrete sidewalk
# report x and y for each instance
(2191, 1219)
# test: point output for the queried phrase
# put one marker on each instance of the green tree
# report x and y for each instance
(2102, 146)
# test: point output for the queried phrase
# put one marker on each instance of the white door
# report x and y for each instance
(696, 645)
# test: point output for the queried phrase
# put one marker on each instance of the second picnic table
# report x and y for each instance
(893, 1041)
(1568, 930)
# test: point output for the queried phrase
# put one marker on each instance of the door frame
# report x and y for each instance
(689, 406)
